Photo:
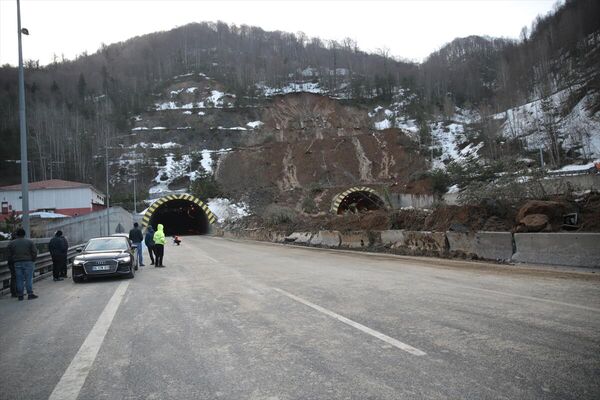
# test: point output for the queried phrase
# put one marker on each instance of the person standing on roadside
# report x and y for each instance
(13, 276)
(149, 242)
(137, 237)
(58, 248)
(159, 245)
(22, 252)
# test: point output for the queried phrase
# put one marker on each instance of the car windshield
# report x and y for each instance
(106, 244)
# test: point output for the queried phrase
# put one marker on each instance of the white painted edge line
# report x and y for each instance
(72, 381)
(396, 343)
(561, 303)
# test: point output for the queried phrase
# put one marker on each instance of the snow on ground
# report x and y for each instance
(140, 128)
(233, 128)
(207, 160)
(191, 89)
(385, 124)
(159, 128)
(409, 125)
(254, 124)
(216, 99)
(306, 87)
(448, 137)
(187, 112)
(172, 170)
(201, 113)
(575, 167)
(375, 111)
(168, 145)
(225, 210)
(577, 128)
(169, 105)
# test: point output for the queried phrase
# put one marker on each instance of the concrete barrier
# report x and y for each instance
(424, 242)
(354, 240)
(494, 245)
(326, 239)
(570, 249)
(299, 237)
(392, 238)
(485, 245)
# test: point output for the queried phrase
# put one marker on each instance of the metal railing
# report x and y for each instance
(42, 269)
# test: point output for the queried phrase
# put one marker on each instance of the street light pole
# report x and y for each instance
(23, 129)
(107, 193)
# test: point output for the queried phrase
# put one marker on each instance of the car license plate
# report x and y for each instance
(101, 267)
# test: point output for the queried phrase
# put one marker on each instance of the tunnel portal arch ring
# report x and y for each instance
(337, 200)
(148, 215)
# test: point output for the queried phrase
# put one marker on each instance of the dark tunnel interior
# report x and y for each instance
(360, 202)
(181, 217)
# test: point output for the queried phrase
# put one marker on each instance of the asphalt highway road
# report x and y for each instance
(243, 320)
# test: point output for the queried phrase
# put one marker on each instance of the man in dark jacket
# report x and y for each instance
(22, 252)
(58, 248)
(149, 242)
(137, 237)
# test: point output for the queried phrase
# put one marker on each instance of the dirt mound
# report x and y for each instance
(412, 220)
(472, 217)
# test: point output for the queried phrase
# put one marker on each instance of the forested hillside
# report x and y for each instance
(476, 98)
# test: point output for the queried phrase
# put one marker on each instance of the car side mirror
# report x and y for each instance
(79, 249)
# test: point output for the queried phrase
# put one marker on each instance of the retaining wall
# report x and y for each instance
(84, 227)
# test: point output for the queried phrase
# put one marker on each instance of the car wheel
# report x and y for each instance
(131, 274)
(77, 279)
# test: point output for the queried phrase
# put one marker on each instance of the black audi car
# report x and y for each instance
(105, 256)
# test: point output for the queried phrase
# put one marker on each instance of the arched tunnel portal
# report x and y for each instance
(357, 199)
(181, 214)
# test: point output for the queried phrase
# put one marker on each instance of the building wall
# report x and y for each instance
(72, 201)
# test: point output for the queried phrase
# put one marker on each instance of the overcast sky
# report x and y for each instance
(410, 29)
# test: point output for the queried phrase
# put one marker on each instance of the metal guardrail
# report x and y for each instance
(42, 269)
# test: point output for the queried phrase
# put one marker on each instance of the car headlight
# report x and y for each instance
(124, 259)
(78, 262)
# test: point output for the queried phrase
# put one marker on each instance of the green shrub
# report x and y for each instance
(277, 215)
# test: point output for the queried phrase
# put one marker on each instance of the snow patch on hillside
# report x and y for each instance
(226, 210)
(254, 124)
(575, 129)
(304, 87)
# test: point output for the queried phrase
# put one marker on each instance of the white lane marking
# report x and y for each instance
(72, 381)
(360, 327)
(531, 298)
(211, 259)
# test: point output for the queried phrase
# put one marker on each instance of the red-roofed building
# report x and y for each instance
(55, 195)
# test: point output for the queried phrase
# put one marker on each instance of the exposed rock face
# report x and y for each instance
(317, 141)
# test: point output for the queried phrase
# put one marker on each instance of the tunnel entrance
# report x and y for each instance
(355, 200)
(181, 215)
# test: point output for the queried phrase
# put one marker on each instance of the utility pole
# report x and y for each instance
(107, 189)
(23, 129)
(134, 196)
